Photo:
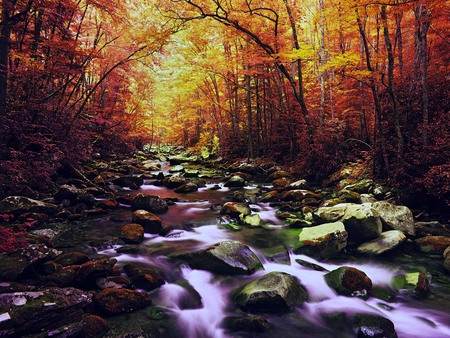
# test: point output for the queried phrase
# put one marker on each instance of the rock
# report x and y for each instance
(174, 181)
(310, 265)
(94, 269)
(446, 263)
(248, 324)
(132, 233)
(330, 214)
(349, 281)
(33, 312)
(415, 283)
(17, 205)
(186, 188)
(114, 282)
(362, 223)
(251, 221)
(298, 195)
(349, 196)
(72, 258)
(120, 301)
(432, 244)
(93, 326)
(273, 292)
(300, 184)
(228, 257)
(68, 192)
(278, 174)
(363, 186)
(235, 182)
(177, 169)
(283, 182)
(322, 241)
(191, 173)
(394, 217)
(150, 222)
(432, 228)
(144, 278)
(387, 240)
(62, 278)
(129, 181)
(373, 326)
(235, 209)
(16, 264)
(270, 196)
(150, 203)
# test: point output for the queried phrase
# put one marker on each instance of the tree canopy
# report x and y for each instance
(311, 84)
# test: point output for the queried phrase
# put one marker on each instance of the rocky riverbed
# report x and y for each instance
(130, 248)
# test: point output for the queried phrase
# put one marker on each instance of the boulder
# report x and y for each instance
(150, 222)
(251, 221)
(273, 292)
(177, 169)
(330, 214)
(446, 255)
(90, 271)
(132, 233)
(270, 196)
(278, 174)
(120, 301)
(298, 195)
(349, 196)
(235, 209)
(300, 184)
(174, 181)
(144, 278)
(68, 192)
(63, 277)
(283, 182)
(16, 264)
(114, 282)
(30, 313)
(228, 257)
(373, 326)
(235, 182)
(93, 326)
(363, 186)
(71, 258)
(431, 228)
(322, 241)
(133, 182)
(414, 283)
(17, 205)
(395, 217)
(187, 187)
(256, 324)
(362, 223)
(432, 244)
(387, 241)
(349, 281)
(150, 203)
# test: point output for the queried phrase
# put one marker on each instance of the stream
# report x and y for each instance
(197, 225)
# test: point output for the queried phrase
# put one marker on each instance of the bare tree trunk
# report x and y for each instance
(420, 63)
(391, 88)
(249, 118)
(373, 87)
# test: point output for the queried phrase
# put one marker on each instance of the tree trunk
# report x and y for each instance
(251, 154)
(5, 39)
(391, 88)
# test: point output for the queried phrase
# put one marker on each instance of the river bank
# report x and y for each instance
(174, 287)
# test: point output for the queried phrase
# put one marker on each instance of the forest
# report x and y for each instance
(310, 84)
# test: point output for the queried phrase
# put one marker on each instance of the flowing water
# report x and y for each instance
(194, 303)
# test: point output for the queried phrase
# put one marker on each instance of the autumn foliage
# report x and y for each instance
(311, 84)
